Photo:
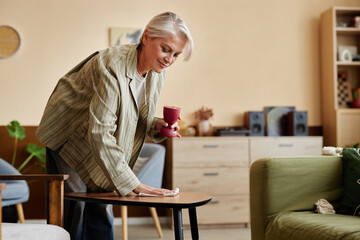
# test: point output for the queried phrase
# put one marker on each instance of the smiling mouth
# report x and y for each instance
(163, 65)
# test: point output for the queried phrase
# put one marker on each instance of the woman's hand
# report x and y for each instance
(160, 123)
(142, 188)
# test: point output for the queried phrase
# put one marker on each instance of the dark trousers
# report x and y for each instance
(83, 220)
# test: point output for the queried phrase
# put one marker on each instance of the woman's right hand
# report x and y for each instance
(160, 123)
(142, 188)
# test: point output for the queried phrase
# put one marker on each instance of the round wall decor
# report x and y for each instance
(9, 41)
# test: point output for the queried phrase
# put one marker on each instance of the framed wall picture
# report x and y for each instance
(121, 36)
(276, 120)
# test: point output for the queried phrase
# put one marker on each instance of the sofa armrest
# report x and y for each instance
(56, 193)
(291, 184)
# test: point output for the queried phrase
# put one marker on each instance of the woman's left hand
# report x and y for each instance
(160, 123)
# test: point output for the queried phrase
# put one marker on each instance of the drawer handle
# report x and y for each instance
(214, 202)
(211, 145)
(211, 174)
(286, 145)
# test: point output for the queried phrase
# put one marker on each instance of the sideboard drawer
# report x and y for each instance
(213, 181)
(222, 210)
(261, 147)
(210, 152)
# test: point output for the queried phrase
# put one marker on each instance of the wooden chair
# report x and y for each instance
(56, 206)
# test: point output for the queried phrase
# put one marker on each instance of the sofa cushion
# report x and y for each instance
(13, 231)
(350, 203)
(312, 226)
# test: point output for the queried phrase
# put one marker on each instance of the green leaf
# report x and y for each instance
(42, 166)
(37, 151)
(15, 130)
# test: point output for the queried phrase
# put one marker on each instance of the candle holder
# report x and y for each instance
(171, 115)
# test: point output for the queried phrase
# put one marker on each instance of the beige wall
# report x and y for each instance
(248, 53)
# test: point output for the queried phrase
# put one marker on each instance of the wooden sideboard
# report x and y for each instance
(219, 166)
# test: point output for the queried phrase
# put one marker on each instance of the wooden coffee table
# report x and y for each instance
(177, 203)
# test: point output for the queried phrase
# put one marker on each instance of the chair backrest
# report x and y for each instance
(16, 191)
(152, 172)
(7, 169)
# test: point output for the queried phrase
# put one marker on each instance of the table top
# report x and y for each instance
(35, 177)
(182, 200)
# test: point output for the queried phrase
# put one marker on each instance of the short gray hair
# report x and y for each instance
(169, 24)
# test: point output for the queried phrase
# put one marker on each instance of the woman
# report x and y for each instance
(96, 120)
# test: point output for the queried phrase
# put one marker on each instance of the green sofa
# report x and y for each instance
(283, 191)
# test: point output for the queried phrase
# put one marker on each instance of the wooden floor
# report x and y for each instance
(147, 231)
(144, 232)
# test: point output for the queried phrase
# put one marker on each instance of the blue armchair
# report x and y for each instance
(17, 192)
(152, 161)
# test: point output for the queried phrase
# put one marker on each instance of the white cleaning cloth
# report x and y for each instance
(155, 195)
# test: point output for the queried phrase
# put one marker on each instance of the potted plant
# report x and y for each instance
(204, 126)
(17, 131)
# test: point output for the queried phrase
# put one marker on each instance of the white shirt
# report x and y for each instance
(140, 88)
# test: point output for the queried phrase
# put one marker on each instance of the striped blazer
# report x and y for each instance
(93, 116)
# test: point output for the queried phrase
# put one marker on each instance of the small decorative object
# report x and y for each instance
(9, 41)
(276, 120)
(204, 127)
(190, 131)
(331, 151)
(357, 22)
(324, 207)
(171, 115)
(356, 97)
(345, 53)
(122, 36)
(345, 56)
(344, 96)
(342, 24)
(356, 58)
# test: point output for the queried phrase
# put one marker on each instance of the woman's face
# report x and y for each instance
(160, 53)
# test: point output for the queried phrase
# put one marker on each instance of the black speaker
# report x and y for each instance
(254, 121)
(298, 123)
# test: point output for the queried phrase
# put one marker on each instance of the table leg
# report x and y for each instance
(178, 226)
(193, 224)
